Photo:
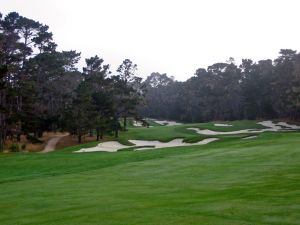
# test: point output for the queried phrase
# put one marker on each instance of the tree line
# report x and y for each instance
(42, 90)
(266, 89)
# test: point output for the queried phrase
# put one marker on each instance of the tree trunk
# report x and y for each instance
(40, 133)
(125, 123)
(1, 141)
(98, 134)
(117, 133)
(2, 131)
(116, 126)
(79, 138)
(19, 137)
(101, 134)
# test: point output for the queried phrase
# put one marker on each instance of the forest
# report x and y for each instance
(267, 89)
(41, 88)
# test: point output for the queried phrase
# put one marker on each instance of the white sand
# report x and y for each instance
(222, 125)
(109, 146)
(284, 124)
(137, 123)
(113, 146)
(211, 132)
(167, 122)
(269, 124)
(250, 137)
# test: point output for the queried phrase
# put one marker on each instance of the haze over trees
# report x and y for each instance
(226, 91)
(41, 89)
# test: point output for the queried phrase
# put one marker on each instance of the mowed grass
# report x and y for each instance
(232, 181)
(168, 133)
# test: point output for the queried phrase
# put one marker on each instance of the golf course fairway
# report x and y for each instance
(232, 181)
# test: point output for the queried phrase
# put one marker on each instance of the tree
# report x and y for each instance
(96, 76)
(130, 91)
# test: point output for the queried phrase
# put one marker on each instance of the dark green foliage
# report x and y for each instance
(33, 140)
(14, 147)
(226, 91)
(23, 147)
(42, 90)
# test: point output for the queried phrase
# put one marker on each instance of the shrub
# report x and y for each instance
(23, 147)
(34, 140)
(14, 147)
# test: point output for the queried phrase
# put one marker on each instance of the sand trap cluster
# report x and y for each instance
(269, 124)
(222, 125)
(284, 124)
(167, 122)
(174, 143)
(114, 146)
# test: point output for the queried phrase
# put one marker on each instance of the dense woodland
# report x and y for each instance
(226, 91)
(41, 89)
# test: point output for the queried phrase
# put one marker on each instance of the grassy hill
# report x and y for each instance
(231, 181)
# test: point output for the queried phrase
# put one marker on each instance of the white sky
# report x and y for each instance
(167, 36)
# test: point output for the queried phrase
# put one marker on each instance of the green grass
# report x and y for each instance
(168, 133)
(229, 182)
(153, 124)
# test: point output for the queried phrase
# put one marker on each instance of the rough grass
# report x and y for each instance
(229, 182)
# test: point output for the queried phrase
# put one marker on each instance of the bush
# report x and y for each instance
(14, 147)
(34, 140)
(23, 147)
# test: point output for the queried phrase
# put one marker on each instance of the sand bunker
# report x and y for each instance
(271, 127)
(174, 143)
(137, 123)
(222, 125)
(167, 122)
(250, 137)
(114, 146)
(109, 146)
(270, 124)
(284, 124)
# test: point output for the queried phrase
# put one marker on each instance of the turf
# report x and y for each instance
(168, 133)
(232, 181)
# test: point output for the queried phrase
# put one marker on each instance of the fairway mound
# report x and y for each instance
(222, 125)
(272, 127)
(114, 146)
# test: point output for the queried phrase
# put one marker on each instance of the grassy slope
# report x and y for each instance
(168, 133)
(232, 181)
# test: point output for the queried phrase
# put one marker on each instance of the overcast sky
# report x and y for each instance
(167, 36)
